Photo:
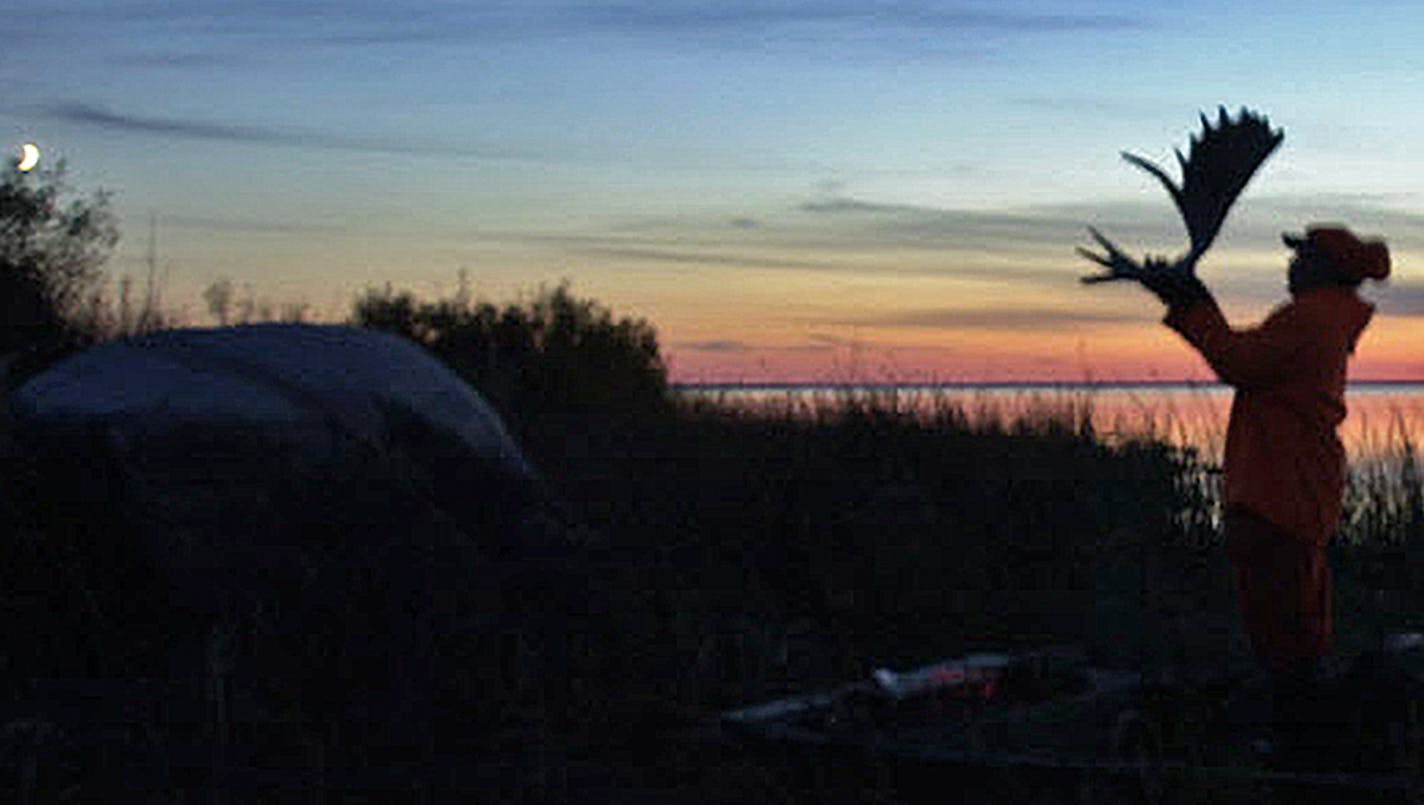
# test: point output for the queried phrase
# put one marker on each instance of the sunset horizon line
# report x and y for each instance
(970, 384)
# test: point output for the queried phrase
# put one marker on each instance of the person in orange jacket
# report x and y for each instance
(1284, 465)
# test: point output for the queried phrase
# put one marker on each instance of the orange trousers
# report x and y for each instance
(1284, 588)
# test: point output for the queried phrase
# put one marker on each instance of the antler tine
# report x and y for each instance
(1103, 240)
(1157, 172)
(1119, 266)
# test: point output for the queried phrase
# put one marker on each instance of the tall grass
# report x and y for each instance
(1377, 551)
(1383, 489)
(896, 528)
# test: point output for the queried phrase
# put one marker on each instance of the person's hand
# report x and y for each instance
(1173, 282)
(1119, 266)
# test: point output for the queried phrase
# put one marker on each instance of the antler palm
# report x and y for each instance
(1220, 163)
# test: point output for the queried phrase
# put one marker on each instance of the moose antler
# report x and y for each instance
(1219, 164)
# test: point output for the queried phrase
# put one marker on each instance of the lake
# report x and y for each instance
(1382, 416)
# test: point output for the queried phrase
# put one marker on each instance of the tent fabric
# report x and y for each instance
(328, 378)
(232, 454)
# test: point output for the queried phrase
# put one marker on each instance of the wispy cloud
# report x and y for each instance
(850, 205)
(666, 17)
(358, 22)
(109, 120)
(1029, 249)
(906, 226)
(833, 261)
(1372, 208)
(713, 346)
(1259, 218)
(362, 23)
(1400, 298)
(813, 343)
(838, 340)
(1080, 104)
(711, 259)
(178, 60)
(1036, 319)
(190, 129)
(844, 204)
(247, 225)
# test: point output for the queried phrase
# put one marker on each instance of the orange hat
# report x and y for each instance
(1352, 258)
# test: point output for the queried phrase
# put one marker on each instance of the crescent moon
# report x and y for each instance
(29, 157)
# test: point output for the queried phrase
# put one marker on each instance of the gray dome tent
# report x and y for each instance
(198, 431)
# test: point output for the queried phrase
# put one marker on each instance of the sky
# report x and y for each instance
(788, 191)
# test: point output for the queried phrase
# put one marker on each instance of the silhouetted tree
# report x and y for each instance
(52, 247)
(553, 351)
(247, 306)
(384, 309)
(294, 312)
(218, 295)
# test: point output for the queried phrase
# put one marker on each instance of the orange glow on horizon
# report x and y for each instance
(1387, 351)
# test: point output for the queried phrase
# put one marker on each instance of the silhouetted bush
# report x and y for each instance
(50, 257)
(52, 286)
(553, 352)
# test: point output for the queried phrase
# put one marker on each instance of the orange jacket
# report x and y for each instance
(1284, 460)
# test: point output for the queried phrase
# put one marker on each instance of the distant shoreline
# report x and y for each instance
(1027, 385)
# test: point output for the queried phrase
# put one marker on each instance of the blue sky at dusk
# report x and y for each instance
(787, 190)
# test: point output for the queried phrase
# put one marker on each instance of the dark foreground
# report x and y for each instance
(708, 562)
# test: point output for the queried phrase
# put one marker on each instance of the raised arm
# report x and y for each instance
(1252, 358)
(1257, 357)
